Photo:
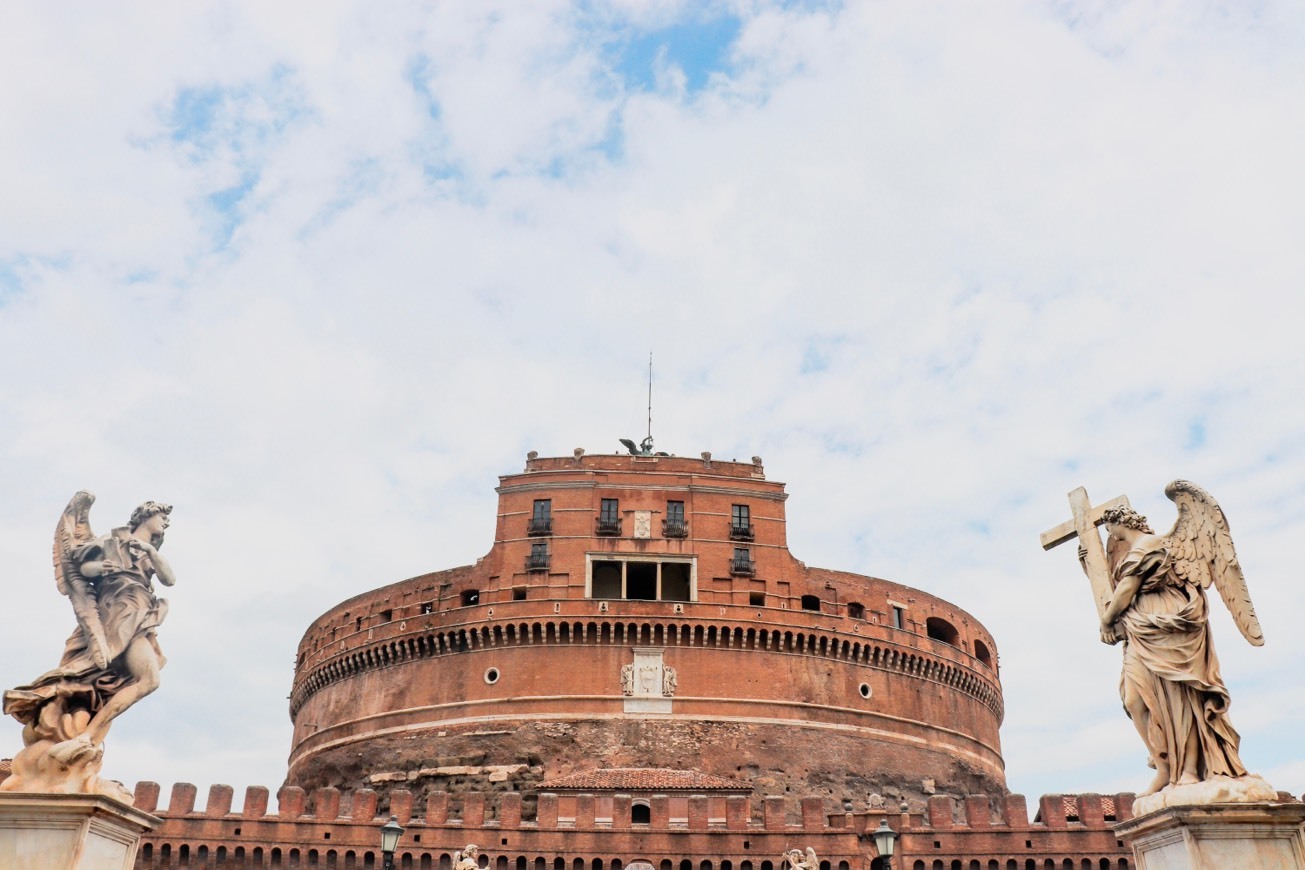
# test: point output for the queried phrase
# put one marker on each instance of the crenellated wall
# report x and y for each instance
(330, 829)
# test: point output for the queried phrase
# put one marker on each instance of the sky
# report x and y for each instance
(316, 274)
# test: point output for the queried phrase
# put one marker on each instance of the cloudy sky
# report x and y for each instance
(318, 273)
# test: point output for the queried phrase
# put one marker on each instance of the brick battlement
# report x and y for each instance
(328, 827)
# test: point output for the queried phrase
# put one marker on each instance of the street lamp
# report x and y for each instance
(885, 842)
(391, 831)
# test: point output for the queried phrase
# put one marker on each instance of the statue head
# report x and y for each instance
(1128, 518)
(149, 509)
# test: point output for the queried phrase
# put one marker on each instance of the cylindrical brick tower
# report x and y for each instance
(645, 612)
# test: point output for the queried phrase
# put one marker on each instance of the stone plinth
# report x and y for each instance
(69, 832)
(1256, 836)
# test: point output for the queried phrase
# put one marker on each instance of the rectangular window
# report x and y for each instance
(610, 511)
(541, 519)
(740, 523)
(673, 526)
(519, 593)
(899, 617)
(633, 579)
(538, 558)
(741, 564)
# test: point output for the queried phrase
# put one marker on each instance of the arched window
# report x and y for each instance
(941, 629)
(981, 653)
(640, 814)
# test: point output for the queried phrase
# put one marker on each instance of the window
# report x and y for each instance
(428, 607)
(855, 610)
(541, 518)
(941, 629)
(981, 652)
(740, 523)
(640, 814)
(538, 558)
(811, 602)
(470, 597)
(609, 517)
(899, 617)
(387, 615)
(742, 564)
(519, 593)
(634, 579)
(757, 599)
(673, 526)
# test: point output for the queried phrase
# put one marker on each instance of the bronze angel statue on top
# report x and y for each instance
(1171, 687)
(110, 662)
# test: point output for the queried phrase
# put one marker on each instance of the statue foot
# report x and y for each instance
(75, 751)
(1161, 780)
(1188, 779)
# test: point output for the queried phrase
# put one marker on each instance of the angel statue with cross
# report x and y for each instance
(1150, 593)
(110, 662)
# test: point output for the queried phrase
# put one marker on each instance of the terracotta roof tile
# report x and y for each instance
(643, 779)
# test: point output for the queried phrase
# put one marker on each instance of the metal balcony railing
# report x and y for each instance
(607, 527)
(537, 562)
(743, 567)
(739, 532)
(674, 529)
(540, 526)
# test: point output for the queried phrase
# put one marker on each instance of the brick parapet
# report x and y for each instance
(309, 830)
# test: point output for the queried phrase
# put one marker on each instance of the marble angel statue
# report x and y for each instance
(1171, 686)
(468, 858)
(794, 859)
(111, 660)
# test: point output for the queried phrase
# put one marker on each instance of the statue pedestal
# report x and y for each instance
(69, 832)
(1246, 836)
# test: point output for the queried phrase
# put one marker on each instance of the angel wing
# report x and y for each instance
(73, 532)
(1202, 550)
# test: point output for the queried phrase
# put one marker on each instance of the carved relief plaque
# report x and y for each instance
(645, 682)
(643, 524)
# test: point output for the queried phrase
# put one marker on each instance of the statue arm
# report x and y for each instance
(1124, 593)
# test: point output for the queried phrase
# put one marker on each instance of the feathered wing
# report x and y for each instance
(73, 532)
(1201, 547)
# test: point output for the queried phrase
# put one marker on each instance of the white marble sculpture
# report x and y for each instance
(796, 860)
(111, 661)
(467, 858)
(1152, 598)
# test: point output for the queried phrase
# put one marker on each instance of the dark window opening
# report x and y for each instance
(742, 563)
(641, 581)
(941, 629)
(899, 617)
(673, 526)
(428, 607)
(740, 523)
(519, 593)
(541, 518)
(855, 610)
(640, 814)
(387, 615)
(538, 558)
(609, 517)
(810, 602)
(757, 599)
(607, 580)
(981, 653)
(470, 597)
(675, 581)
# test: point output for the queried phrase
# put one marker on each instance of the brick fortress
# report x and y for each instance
(640, 670)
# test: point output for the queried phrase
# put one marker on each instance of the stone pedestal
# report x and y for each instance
(1255, 836)
(69, 832)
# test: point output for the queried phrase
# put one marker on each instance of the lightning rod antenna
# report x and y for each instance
(650, 395)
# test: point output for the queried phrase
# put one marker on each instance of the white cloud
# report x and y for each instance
(1013, 252)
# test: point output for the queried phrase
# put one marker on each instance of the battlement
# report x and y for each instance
(330, 825)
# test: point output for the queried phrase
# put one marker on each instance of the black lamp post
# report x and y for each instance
(391, 831)
(885, 842)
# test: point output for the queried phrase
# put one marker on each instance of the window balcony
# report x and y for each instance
(608, 527)
(742, 533)
(540, 526)
(674, 529)
(743, 567)
(537, 562)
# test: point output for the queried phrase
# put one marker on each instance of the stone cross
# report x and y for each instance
(1083, 525)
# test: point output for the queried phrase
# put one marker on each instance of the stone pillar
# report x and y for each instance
(1247, 836)
(69, 832)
